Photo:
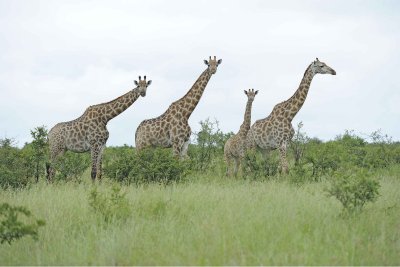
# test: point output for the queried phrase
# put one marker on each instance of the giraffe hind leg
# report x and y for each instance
(284, 163)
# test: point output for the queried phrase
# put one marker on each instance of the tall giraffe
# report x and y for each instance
(235, 146)
(276, 130)
(171, 129)
(89, 131)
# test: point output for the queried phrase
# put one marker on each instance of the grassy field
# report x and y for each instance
(209, 221)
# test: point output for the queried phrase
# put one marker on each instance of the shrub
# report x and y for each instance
(39, 147)
(111, 205)
(158, 165)
(298, 144)
(149, 165)
(71, 165)
(119, 162)
(13, 172)
(255, 166)
(209, 145)
(11, 228)
(324, 157)
(354, 189)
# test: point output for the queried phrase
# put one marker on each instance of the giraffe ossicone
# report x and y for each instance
(276, 130)
(89, 131)
(171, 129)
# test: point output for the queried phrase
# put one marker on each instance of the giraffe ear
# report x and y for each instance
(149, 82)
(206, 62)
(245, 92)
(219, 61)
(256, 92)
(136, 83)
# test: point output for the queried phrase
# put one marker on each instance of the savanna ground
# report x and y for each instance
(209, 220)
(206, 218)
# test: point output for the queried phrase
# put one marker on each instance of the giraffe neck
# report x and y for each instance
(189, 102)
(244, 128)
(115, 107)
(294, 104)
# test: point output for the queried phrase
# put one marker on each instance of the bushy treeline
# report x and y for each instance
(21, 166)
(310, 158)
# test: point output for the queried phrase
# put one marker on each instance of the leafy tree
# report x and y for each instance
(12, 166)
(39, 146)
(209, 143)
(299, 143)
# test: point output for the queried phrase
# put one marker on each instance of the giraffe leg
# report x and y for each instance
(184, 150)
(95, 152)
(236, 166)
(284, 163)
(99, 163)
(177, 147)
(228, 161)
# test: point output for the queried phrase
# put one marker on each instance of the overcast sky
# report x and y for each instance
(59, 57)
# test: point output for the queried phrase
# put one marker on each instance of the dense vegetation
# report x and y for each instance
(338, 204)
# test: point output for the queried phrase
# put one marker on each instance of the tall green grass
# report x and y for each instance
(209, 220)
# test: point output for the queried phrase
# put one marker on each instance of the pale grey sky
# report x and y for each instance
(59, 57)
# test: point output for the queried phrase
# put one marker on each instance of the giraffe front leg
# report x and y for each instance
(284, 163)
(184, 150)
(177, 148)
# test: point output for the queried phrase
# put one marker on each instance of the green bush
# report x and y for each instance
(118, 162)
(206, 152)
(111, 205)
(71, 165)
(324, 157)
(11, 228)
(255, 166)
(13, 172)
(149, 165)
(354, 189)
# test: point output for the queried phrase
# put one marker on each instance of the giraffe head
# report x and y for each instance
(251, 94)
(320, 67)
(213, 64)
(142, 85)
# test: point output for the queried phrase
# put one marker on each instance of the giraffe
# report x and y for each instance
(235, 146)
(171, 129)
(89, 131)
(276, 130)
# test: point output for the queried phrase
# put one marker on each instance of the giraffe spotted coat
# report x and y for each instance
(89, 131)
(276, 130)
(235, 146)
(172, 129)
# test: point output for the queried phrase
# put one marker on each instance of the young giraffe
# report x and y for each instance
(235, 147)
(276, 130)
(171, 129)
(89, 131)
